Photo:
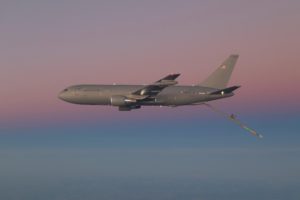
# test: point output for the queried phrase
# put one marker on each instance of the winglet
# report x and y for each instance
(169, 77)
(168, 80)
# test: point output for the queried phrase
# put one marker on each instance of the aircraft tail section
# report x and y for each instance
(225, 90)
(220, 77)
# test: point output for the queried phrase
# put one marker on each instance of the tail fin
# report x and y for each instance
(220, 77)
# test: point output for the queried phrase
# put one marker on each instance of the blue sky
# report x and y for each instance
(150, 158)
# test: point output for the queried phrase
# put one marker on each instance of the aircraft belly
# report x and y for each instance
(187, 99)
(91, 100)
(179, 99)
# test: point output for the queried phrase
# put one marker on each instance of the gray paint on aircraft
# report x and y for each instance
(163, 92)
(170, 96)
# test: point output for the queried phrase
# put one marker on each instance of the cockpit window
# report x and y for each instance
(65, 90)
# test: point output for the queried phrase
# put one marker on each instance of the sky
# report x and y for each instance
(50, 149)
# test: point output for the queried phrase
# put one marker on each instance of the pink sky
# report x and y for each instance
(48, 46)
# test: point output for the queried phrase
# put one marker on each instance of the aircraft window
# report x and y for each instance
(65, 90)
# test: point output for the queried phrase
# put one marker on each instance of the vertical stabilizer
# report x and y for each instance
(220, 77)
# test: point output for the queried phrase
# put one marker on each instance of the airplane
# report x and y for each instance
(164, 92)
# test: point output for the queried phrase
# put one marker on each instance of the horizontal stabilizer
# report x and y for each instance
(226, 90)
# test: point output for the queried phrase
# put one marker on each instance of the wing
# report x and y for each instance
(154, 88)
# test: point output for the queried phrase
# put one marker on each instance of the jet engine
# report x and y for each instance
(119, 100)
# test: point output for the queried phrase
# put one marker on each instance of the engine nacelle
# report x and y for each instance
(119, 100)
(129, 108)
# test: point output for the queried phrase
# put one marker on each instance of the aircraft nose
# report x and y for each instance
(62, 95)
